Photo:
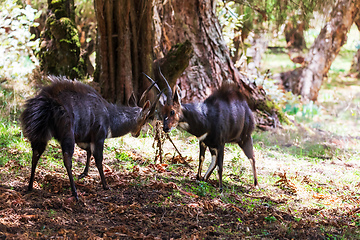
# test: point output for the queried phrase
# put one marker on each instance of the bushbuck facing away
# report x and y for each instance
(223, 117)
(73, 112)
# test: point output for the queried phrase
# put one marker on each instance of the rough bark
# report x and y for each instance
(124, 47)
(59, 45)
(307, 80)
(196, 21)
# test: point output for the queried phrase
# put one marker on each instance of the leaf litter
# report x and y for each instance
(154, 199)
(157, 201)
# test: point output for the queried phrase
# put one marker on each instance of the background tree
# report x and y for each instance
(261, 18)
(60, 47)
(307, 80)
(124, 47)
(355, 65)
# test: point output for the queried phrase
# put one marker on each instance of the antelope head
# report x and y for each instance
(146, 111)
(170, 105)
(171, 111)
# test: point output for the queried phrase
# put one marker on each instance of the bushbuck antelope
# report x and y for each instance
(73, 112)
(223, 117)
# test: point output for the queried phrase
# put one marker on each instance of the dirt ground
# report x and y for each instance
(149, 202)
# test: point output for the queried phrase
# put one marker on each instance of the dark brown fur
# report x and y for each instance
(73, 112)
(223, 117)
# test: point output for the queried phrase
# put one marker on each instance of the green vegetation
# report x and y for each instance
(13, 146)
(16, 42)
(308, 170)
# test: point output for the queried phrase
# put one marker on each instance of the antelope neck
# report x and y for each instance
(195, 116)
(123, 119)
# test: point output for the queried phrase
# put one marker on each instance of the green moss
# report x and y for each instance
(58, 7)
(279, 112)
(177, 60)
(60, 47)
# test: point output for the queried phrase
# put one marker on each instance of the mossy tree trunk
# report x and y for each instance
(59, 46)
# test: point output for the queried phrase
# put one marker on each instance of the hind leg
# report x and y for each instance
(247, 147)
(86, 170)
(214, 153)
(220, 163)
(98, 155)
(67, 146)
(37, 149)
(202, 148)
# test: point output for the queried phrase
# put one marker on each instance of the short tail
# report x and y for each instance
(37, 119)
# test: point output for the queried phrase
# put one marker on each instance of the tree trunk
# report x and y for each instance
(196, 21)
(355, 64)
(124, 47)
(59, 45)
(307, 80)
(127, 47)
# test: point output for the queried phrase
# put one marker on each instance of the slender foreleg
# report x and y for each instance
(212, 166)
(202, 148)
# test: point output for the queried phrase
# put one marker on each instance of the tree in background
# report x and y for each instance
(307, 80)
(60, 47)
(128, 45)
(355, 65)
(259, 19)
(124, 47)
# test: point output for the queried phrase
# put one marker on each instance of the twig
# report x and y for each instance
(158, 139)
(177, 150)
(168, 137)
(163, 215)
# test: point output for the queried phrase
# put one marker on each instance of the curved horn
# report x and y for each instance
(146, 91)
(153, 106)
(152, 81)
(169, 93)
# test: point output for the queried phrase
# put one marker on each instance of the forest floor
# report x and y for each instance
(309, 176)
(164, 201)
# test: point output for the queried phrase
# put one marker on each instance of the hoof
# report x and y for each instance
(71, 200)
(199, 178)
(82, 175)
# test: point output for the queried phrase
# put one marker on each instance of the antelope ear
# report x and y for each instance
(132, 100)
(145, 109)
(177, 96)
